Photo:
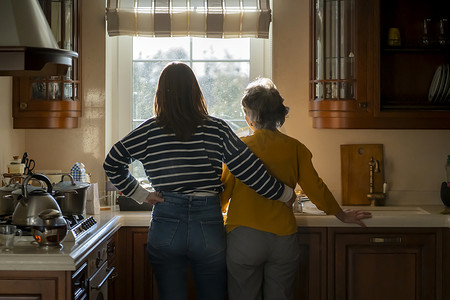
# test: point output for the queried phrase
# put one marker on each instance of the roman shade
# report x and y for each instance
(199, 18)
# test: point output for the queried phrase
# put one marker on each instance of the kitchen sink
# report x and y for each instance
(311, 209)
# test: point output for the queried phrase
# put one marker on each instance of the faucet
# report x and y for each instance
(375, 198)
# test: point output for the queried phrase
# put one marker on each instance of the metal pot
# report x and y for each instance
(75, 194)
(7, 203)
(32, 202)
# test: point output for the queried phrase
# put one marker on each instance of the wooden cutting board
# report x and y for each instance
(355, 160)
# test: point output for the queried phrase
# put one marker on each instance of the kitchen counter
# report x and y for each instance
(27, 256)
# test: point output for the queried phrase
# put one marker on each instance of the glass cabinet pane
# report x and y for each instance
(68, 23)
(60, 15)
(334, 65)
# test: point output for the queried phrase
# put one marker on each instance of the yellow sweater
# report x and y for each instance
(289, 161)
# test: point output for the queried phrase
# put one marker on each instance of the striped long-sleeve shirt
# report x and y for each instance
(188, 166)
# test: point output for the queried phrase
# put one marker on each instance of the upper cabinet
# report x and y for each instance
(53, 101)
(380, 64)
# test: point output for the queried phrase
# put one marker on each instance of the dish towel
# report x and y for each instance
(78, 172)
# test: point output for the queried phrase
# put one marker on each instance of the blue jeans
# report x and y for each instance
(188, 229)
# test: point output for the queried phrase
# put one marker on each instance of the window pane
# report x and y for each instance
(222, 67)
(229, 49)
(145, 80)
(223, 85)
(161, 48)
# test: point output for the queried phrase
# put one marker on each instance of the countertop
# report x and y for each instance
(27, 256)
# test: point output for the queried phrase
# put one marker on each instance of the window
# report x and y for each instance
(223, 68)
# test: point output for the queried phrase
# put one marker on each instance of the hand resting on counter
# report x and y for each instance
(353, 216)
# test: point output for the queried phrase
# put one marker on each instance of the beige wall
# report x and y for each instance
(414, 158)
(12, 142)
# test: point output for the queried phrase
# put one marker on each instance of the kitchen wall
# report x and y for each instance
(12, 141)
(414, 159)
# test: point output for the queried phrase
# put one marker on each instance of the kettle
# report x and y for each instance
(31, 203)
(50, 228)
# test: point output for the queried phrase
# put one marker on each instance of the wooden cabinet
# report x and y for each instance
(384, 263)
(336, 263)
(34, 285)
(139, 281)
(53, 101)
(360, 79)
(113, 256)
(311, 278)
(142, 282)
(445, 264)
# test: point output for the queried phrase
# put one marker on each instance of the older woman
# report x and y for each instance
(262, 251)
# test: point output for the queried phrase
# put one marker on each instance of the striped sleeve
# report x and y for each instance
(116, 168)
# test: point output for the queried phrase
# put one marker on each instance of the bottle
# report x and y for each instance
(447, 170)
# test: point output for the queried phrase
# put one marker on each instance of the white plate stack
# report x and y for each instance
(439, 92)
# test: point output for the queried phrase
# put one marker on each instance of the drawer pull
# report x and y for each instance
(386, 240)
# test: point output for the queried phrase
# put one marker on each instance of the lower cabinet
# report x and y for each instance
(310, 282)
(31, 285)
(345, 263)
(382, 263)
(136, 277)
(445, 264)
(140, 282)
(115, 292)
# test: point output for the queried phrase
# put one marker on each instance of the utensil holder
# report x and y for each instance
(445, 194)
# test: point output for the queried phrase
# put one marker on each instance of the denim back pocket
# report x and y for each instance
(162, 231)
(214, 235)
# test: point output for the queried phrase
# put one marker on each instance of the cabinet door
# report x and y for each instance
(143, 282)
(116, 290)
(34, 285)
(339, 83)
(383, 264)
(311, 279)
(445, 264)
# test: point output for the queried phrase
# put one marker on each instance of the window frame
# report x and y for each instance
(119, 81)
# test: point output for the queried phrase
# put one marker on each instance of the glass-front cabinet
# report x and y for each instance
(53, 101)
(334, 51)
(380, 64)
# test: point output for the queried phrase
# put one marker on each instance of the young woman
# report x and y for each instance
(182, 149)
(262, 250)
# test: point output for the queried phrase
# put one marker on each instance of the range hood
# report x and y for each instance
(27, 44)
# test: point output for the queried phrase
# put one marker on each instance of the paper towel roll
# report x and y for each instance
(92, 200)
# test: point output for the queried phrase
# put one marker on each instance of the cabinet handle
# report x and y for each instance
(23, 105)
(363, 105)
(386, 240)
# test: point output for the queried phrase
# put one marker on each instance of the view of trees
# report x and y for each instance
(222, 81)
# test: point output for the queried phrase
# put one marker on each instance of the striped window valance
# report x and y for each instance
(201, 18)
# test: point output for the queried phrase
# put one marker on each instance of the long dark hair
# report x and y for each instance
(263, 104)
(179, 103)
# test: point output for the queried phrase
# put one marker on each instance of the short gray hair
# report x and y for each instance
(263, 104)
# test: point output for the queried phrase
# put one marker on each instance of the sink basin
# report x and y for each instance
(311, 209)
(391, 210)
